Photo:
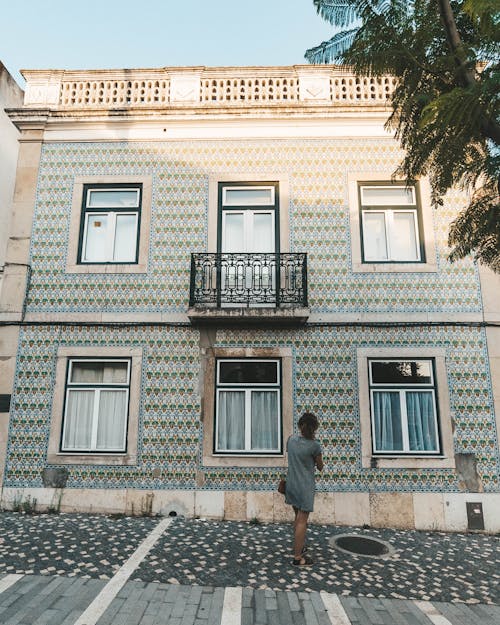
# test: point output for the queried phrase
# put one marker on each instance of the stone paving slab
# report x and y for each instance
(46, 600)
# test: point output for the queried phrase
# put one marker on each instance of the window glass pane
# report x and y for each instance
(112, 420)
(248, 196)
(231, 421)
(116, 198)
(401, 372)
(387, 421)
(125, 238)
(387, 196)
(97, 241)
(99, 372)
(374, 238)
(263, 233)
(248, 372)
(403, 236)
(421, 421)
(264, 420)
(234, 235)
(78, 419)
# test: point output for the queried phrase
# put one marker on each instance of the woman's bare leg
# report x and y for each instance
(300, 528)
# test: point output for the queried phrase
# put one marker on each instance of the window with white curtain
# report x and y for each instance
(248, 406)
(403, 407)
(96, 406)
(389, 223)
(110, 224)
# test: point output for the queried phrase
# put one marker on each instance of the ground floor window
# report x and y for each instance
(96, 405)
(248, 406)
(403, 406)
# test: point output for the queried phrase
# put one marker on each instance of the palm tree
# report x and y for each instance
(445, 56)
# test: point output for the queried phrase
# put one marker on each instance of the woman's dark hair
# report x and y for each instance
(308, 424)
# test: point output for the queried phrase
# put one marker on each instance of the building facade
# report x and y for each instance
(212, 251)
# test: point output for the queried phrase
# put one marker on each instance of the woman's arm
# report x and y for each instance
(318, 461)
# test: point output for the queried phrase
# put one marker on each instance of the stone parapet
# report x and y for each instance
(212, 87)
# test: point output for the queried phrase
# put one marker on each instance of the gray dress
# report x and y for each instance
(300, 475)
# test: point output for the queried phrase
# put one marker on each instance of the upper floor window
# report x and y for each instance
(390, 223)
(109, 230)
(96, 405)
(248, 406)
(403, 406)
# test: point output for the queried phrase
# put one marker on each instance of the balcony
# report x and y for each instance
(248, 288)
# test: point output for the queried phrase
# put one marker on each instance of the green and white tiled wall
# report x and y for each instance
(324, 380)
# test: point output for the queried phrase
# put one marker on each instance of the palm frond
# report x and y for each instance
(331, 51)
(477, 229)
(340, 13)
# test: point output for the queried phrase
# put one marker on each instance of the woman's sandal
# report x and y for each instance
(303, 561)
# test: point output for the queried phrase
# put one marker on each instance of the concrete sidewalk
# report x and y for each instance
(96, 570)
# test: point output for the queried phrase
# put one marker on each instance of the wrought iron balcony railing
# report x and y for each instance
(248, 279)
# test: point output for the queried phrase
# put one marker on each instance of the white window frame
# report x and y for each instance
(248, 388)
(111, 213)
(97, 388)
(389, 209)
(248, 226)
(428, 264)
(247, 188)
(403, 389)
(111, 235)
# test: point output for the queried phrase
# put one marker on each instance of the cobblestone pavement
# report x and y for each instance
(63, 570)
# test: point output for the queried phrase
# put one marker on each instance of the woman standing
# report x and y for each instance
(304, 456)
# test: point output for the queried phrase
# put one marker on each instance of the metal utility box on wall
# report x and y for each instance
(475, 518)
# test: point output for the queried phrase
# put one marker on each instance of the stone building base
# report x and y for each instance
(421, 511)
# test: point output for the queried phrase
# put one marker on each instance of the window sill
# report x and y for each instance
(384, 267)
(405, 462)
(91, 459)
(111, 268)
(244, 461)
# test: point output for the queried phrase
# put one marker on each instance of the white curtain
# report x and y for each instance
(78, 420)
(387, 417)
(421, 422)
(404, 239)
(125, 238)
(112, 420)
(231, 421)
(374, 237)
(99, 372)
(264, 420)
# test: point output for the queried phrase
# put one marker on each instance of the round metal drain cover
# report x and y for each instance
(362, 546)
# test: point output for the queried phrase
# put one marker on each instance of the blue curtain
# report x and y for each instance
(387, 417)
(421, 422)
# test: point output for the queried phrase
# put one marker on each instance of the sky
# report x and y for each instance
(96, 34)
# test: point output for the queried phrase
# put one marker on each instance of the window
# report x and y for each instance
(96, 406)
(390, 224)
(110, 224)
(248, 406)
(403, 407)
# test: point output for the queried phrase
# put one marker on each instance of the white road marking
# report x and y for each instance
(231, 609)
(334, 609)
(9, 580)
(432, 613)
(97, 608)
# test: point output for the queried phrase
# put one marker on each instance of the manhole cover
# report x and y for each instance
(362, 546)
